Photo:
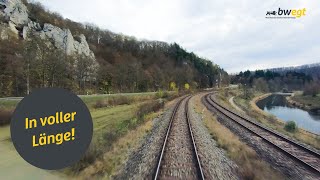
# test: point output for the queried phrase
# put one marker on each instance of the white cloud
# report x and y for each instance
(234, 34)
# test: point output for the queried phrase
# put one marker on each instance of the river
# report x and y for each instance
(278, 106)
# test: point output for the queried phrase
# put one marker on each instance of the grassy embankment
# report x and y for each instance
(269, 120)
(7, 106)
(119, 122)
(307, 102)
(250, 165)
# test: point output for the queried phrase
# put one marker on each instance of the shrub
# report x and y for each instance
(271, 118)
(159, 94)
(311, 89)
(5, 117)
(89, 157)
(121, 100)
(101, 104)
(113, 101)
(162, 94)
(149, 107)
(174, 95)
(291, 126)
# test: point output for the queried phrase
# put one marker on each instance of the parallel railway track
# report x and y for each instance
(304, 155)
(179, 157)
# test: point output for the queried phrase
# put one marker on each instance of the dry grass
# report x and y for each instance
(122, 129)
(119, 100)
(118, 154)
(127, 100)
(148, 107)
(250, 165)
(110, 125)
(279, 125)
(269, 120)
(313, 102)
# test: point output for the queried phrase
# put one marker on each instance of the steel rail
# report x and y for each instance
(200, 171)
(199, 167)
(305, 149)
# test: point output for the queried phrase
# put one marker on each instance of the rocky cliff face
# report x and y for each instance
(15, 18)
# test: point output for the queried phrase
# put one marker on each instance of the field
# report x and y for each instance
(119, 122)
(88, 99)
(12, 166)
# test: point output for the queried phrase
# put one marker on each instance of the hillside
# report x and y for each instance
(39, 48)
(304, 77)
(309, 69)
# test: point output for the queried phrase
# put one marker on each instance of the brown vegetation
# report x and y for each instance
(5, 117)
(126, 64)
(312, 89)
(250, 165)
(251, 109)
(106, 140)
(113, 101)
(267, 80)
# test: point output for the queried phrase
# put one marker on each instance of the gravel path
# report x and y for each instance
(266, 151)
(235, 106)
(214, 162)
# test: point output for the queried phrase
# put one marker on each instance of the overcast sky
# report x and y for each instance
(233, 34)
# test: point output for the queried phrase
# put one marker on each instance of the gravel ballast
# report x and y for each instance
(215, 163)
(142, 162)
(267, 152)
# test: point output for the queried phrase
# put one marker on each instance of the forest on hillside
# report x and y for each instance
(312, 70)
(124, 64)
(282, 79)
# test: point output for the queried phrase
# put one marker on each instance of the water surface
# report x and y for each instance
(278, 106)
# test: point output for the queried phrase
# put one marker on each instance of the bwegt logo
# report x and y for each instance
(286, 13)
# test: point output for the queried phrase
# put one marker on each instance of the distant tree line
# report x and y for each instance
(269, 81)
(125, 63)
(309, 69)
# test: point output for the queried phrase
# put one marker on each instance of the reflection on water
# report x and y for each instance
(278, 106)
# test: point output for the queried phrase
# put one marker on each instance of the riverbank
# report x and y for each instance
(255, 100)
(308, 103)
(269, 120)
(253, 104)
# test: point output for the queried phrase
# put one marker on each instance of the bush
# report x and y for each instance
(121, 100)
(149, 107)
(311, 89)
(113, 101)
(101, 104)
(291, 126)
(5, 117)
(174, 95)
(162, 94)
(89, 157)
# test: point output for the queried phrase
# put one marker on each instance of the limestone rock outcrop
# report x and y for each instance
(14, 11)
(15, 15)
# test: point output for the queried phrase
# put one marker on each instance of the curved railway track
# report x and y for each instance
(179, 157)
(307, 157)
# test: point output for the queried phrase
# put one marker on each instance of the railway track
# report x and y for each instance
(179, 157)
(307, 157)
